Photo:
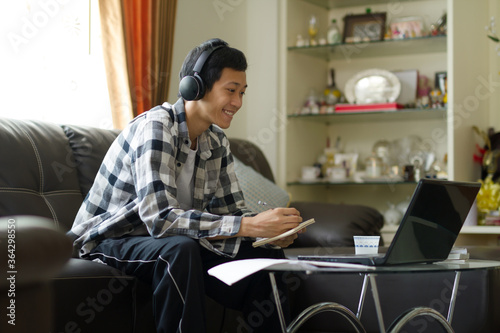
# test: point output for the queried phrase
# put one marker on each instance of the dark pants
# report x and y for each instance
(176, 268)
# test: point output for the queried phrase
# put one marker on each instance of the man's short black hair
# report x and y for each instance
(224, 57)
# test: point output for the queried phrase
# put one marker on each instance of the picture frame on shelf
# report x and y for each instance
(440, 79)
(364, 28)
(407, 27)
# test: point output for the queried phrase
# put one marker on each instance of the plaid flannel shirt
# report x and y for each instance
(134, 192)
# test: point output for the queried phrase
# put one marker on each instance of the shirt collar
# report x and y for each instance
(207, 141)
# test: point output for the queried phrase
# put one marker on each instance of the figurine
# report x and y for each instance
(392, 216)
(436, 98)
(423, 92)
(300, 41)
(311, 105)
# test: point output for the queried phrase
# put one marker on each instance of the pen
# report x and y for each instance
(263, 203)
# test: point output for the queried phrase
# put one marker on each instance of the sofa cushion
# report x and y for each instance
(89, 145)
(93, 297)
(37, 176)
(257, 188)
(337, 223)
(251, 155)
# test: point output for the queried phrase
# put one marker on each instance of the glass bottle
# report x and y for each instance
(329, 165)
(333, 36)
(373, 166)
(313, 30)
(332, 94)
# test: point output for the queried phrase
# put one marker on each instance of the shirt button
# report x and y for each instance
(178, 164)
(186, 142)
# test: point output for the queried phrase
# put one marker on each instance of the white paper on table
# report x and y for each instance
(234, 271)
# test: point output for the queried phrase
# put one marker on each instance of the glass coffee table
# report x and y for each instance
(370, 278)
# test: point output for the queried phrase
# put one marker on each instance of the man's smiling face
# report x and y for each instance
(224, 99)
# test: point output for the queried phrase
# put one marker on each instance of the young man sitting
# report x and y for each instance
(166, 205)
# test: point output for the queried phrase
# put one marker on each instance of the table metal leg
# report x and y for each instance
(277, 300)
(354, 320)
(376, 300)
(399, 323)
(311, 311)
(453, 297)
(323, 307)
(362, 296)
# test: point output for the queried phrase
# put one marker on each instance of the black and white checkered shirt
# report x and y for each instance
(135, 192)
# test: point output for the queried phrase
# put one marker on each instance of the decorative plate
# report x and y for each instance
(372, 86)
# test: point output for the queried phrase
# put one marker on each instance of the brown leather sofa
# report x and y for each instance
(43, 173)
(47, 169)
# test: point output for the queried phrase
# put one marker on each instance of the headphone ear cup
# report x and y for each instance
(191, 87)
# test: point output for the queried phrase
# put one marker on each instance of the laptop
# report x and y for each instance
(428, 230)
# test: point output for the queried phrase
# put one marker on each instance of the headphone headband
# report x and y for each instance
(203, 58)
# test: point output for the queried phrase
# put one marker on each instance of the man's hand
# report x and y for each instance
(271, 223)
(287, 241)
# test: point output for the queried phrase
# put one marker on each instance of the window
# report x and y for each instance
(51, 62)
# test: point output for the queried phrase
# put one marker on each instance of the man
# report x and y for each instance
(166, 205)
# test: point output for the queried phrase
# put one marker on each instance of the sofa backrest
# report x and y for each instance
(89, 145)
(47, 169)
(37, 174)
(40, 173)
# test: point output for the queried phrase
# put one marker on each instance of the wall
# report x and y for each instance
(250, 26)
(198, 21)
(470, 96)
(494, 62)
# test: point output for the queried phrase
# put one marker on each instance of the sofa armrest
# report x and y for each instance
(337, 223)
(33, 248)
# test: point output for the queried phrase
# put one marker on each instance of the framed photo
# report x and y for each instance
(407, 27)
(440, 81)
(364, 28)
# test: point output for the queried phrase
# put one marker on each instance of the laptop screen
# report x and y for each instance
(432, 221)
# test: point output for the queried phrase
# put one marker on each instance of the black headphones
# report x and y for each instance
(191, 87)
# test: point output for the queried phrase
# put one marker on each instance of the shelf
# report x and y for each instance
(400, 115)
(480, 230)
(418, 45)
(329, 4)
(470, 235)
(323, 183)
(466, 229)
